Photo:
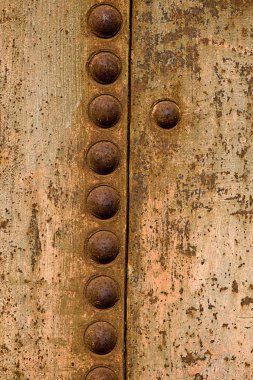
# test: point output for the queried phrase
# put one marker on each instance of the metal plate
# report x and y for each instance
(46, 134)
(190, 289)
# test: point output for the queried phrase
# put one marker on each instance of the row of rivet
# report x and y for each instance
(103, 202)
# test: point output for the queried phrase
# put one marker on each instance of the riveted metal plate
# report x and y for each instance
(190, 244)
(63, 183)
(105, 121)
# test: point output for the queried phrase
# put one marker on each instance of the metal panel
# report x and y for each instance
(106, 121)
(52, 287)
(190, 286)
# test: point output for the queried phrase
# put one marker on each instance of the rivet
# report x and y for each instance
(103, 202)
(103, 247)
(105, 21)
(101, 373)
(105, 67)
(103, 157)
(102, 292)
(166, 114)
(100, 338)
(105, 111)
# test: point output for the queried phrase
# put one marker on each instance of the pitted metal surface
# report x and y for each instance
(63, 106)
(64, 119)
(190, 279)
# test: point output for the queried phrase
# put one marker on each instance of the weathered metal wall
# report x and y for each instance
(45, 179)
(190, 293)
(190, 285)
(41, 189)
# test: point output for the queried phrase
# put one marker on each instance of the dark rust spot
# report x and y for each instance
(103, 202)
(192, 358)
(246, 301)
(3, 224)
(101, 373)
(166, 114)
(105, 111)
(103, 157)
(235, 288)
(34, 235)
(105, 21)
(102, 292)
(103, 247)
(105, 67)
(100, 338)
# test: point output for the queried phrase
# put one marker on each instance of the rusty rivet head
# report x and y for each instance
(166, 114)
(103, 247)
(101, 373)
(103, 202)
(102, 292)
(105, 67)
(100, 338)
(105, 111)
(105, 21)
(103, 157)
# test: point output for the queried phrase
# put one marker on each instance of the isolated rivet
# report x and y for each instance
(100, 338)
(102, 292)
(103, 247)
(105, 111)
(101, 373)
(166, 114)
(105, 67)
(103, 157)
(103, 202)
(105, 21)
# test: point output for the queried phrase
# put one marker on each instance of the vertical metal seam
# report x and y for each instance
(106, 109)
(128, 180)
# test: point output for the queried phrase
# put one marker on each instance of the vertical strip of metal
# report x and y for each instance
(106, 122)
(128, 178)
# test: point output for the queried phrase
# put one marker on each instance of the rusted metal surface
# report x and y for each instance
(105, 111)
(105, 20)
(105, 67)
(190, 286)
(166, 114)
(106, 122)
(103, 247)
(51, 247)
(103, 157)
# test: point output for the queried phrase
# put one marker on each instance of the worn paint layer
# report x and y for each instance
(190, 285)
(45, 134)
(41, 186)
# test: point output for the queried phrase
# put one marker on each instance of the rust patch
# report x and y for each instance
(191, 358)
(246, 301)
(3, 224)
(235, 287)
(34, 237)
(184, 186)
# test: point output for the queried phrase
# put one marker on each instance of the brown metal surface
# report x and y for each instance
(166, 114)
(100, 337)
(63, 210)
(63, 269)
(103, 157)
(103, 202)
(190, 256)
(102, 292)
(106, 125)
(105, 111)
(105, 20)
(105, 67)
(103, 246)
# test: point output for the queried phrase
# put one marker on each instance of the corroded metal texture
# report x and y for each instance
(105, 67)
(51, 250)
(106, 30)
(190, 292)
